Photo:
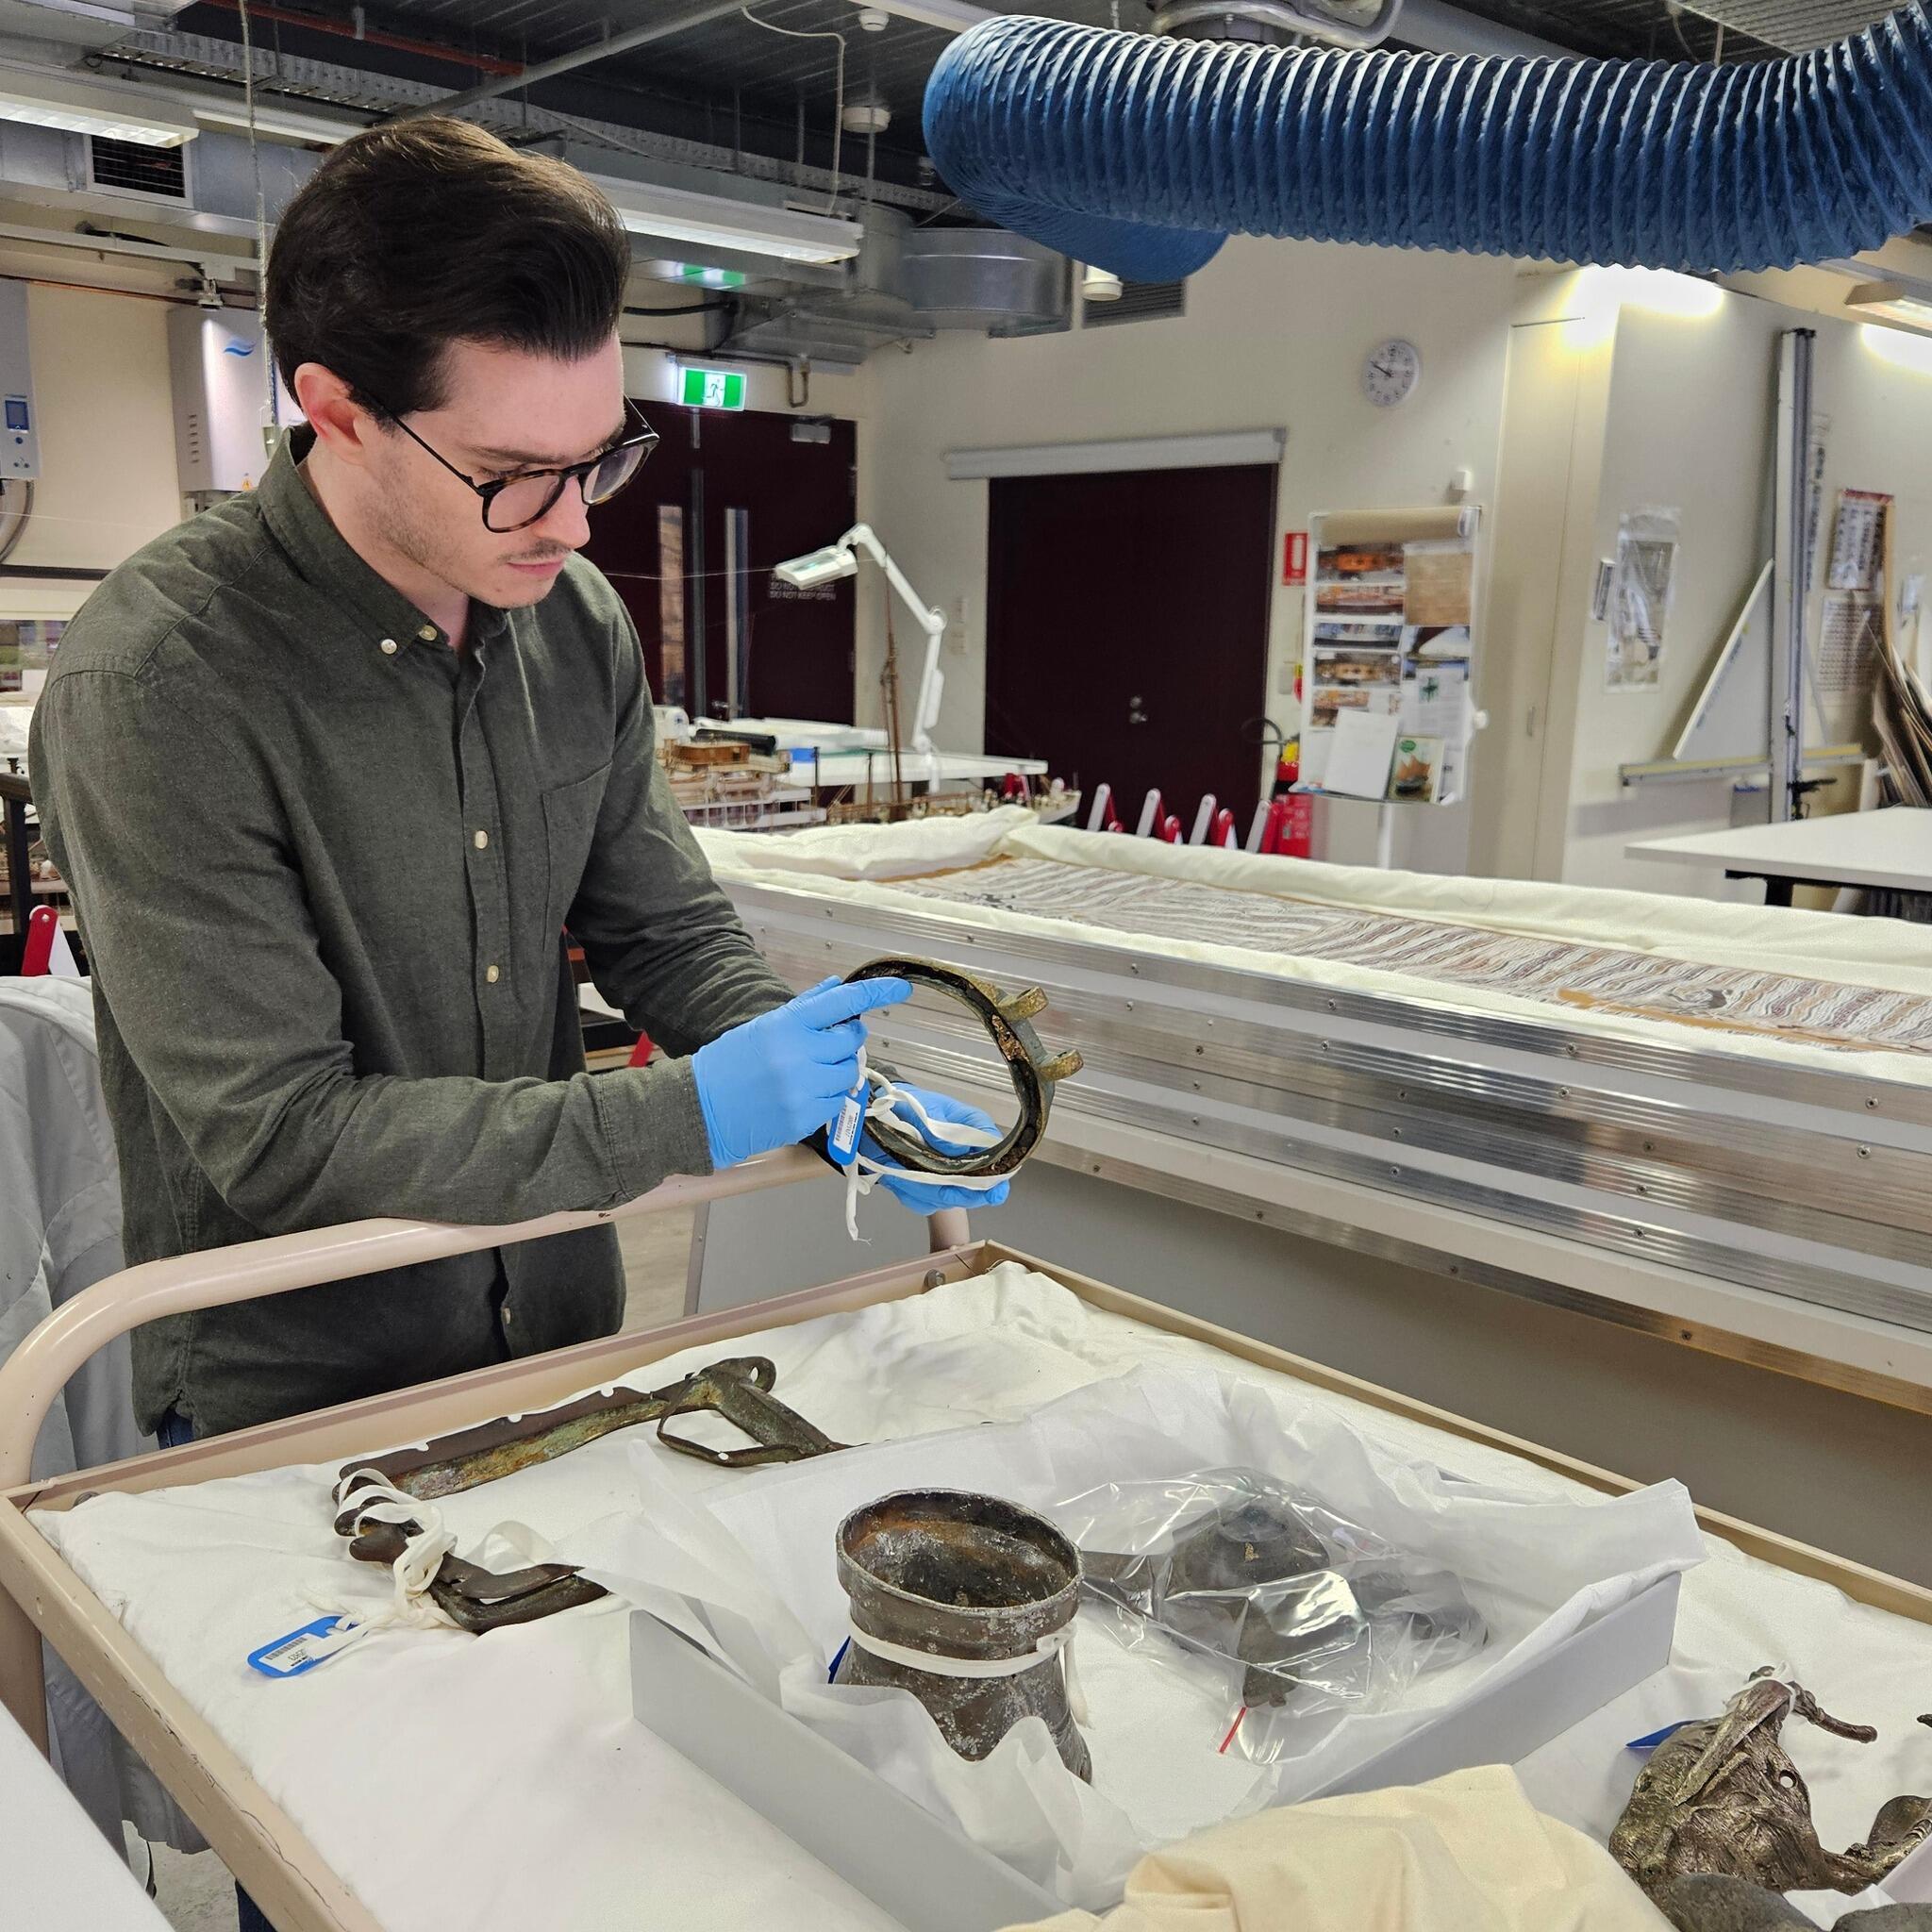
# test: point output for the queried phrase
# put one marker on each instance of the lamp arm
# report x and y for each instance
(930, 619)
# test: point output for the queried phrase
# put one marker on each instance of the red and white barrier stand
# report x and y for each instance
(47, 953)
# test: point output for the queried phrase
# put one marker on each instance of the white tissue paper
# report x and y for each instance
(747, 1571)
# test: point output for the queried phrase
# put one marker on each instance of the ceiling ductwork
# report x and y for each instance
(984, 278)
(1277, 23)
(1047, 128)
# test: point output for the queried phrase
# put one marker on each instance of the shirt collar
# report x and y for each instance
(323, 556)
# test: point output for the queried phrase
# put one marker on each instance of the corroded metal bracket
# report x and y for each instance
(1007, 1018)
(738, 1388)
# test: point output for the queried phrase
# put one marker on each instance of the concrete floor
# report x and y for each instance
(195, 1894)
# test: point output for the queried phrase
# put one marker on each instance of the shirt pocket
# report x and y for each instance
(570, 825)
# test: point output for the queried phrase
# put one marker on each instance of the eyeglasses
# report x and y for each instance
(514, 503)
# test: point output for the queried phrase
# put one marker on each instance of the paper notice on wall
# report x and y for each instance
(1858, 542)
(1642, 589)
(1436, 703)
(1416, 777)
(1439, 581)
(1848, 643)
(1821, 441)
(1361, 754)
(1390, 604)
(1352, 677)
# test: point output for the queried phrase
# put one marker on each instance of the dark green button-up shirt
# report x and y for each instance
(322, 863)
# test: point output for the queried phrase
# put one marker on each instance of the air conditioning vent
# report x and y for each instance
(1137, 302)
(126, 167)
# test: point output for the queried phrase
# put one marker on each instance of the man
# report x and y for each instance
(331, 769)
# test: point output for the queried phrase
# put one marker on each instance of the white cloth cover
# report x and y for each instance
(857, 864)
(532, 1796)
(59, 1233)
(1466, 1853)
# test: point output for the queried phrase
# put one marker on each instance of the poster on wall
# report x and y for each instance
(1849, 641)
(1643, 583)
(1858, 542)
(1391, 630)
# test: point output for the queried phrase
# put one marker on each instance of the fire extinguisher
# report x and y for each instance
(1296, 836)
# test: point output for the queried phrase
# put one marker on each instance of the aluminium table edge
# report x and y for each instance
(1701, 1312)
(1809, 1339)
(276, 1860)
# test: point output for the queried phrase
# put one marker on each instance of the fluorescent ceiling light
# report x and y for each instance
(1901, 347)
(75, 108)
(716, 220)
(1889, 302)
(276, 124)
(949, 16)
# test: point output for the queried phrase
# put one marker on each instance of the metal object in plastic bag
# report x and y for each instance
(1311, 1611)
(966, 1580)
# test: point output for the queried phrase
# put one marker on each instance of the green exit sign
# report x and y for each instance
(712, 389)
(711, 277)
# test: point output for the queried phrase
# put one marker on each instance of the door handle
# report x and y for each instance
(1135, 714)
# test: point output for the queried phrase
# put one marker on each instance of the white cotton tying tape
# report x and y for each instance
(414, 1570)
(1049, 1646)
(862, 1172)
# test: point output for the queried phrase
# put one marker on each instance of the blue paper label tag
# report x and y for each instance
(1657, 1738)
(301, 1650)
(843, 1140)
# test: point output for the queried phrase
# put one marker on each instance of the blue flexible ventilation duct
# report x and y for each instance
(1142, 155)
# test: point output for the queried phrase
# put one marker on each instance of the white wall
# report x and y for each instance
(1692, 424)
(107, 433)
(1275, 335)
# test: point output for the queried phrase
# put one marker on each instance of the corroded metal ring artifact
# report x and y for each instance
(1006, 1018)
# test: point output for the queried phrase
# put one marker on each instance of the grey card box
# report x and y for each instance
(925, 1873)
(932, 1879)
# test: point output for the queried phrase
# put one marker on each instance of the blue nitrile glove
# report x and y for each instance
(928, 1198)
(780, 1077)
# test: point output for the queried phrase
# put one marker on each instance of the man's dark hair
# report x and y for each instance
(428, 232)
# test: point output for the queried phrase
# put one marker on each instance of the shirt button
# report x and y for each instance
(482, 838)
(427, 633)
(388, 647)
(492, 974)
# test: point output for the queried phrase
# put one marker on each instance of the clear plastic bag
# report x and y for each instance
(1302, 1611)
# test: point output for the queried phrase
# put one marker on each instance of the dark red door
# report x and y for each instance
(1127, 630)
(690, 546)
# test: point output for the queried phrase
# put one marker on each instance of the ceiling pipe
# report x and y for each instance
(569, 63)
(398, 44)
(1437, 27)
